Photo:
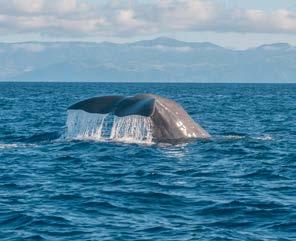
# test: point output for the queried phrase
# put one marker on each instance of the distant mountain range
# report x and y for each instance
(161, 59)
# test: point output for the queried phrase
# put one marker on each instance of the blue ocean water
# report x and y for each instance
(239, 185)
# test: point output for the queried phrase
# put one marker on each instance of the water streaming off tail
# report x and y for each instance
(83, 125)
(132, 128)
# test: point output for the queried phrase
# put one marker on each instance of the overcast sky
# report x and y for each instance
(236, 23)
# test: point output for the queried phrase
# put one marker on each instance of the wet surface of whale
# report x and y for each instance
(170, 122)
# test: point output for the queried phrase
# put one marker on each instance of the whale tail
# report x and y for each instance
(121, 106)
(99, 105)
(163, 118)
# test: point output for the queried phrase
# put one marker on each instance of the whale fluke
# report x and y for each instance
(100, 105)
(169, 120)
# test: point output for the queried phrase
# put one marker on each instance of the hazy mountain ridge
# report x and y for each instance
(161, 59)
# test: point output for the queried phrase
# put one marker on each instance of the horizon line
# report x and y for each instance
(141, 82)
(144, 40)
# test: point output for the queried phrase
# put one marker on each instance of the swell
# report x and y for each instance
(15, 142)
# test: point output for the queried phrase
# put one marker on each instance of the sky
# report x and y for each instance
(237, 24)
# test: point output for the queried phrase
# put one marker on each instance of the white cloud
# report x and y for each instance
(134, 18)
(26, 7)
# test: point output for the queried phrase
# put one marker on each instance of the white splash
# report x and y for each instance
(4, 146)
(132, 128)
(15, 145)
(234, 137)
(265, 137)
(84, 125)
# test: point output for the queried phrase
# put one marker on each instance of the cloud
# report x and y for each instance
(55, 7)
(68, 18)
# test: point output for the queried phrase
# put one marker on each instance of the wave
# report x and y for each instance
(265, 137)
(42, 137)
(15, 219)
(15, 145)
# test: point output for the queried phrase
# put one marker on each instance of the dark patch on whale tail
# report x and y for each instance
(137, 105)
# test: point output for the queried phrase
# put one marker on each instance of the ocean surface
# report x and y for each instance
(238, 185)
